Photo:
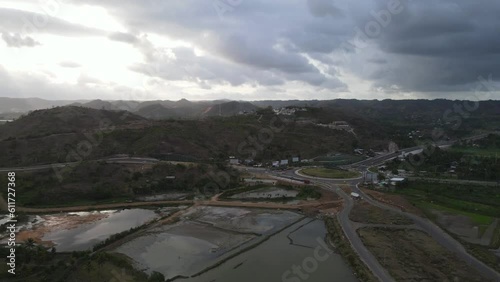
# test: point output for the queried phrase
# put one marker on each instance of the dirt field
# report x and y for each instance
(365, 213)
(394, 200)
(412, 255)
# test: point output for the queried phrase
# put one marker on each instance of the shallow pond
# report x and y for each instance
(250, 245)
(298, 253)
(85, 236)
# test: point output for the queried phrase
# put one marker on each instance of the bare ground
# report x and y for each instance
(412, 255)
(364, 212)
(394, 200)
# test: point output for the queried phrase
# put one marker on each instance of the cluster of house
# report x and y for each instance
(453, 167)
(338, 125)
(415, 134)
(284, 162)
(288, 111)
(279, 163)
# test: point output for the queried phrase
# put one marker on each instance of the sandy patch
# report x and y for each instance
(51, 223)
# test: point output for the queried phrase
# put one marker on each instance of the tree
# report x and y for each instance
(381, 176)
(30, 243)
(156, 277)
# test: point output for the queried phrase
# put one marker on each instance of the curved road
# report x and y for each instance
(364, 254)
(443, 238)
(124, 160)
(428, 226)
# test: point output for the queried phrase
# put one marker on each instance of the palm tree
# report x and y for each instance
(30, 243)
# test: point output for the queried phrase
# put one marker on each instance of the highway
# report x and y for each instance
(378, 160)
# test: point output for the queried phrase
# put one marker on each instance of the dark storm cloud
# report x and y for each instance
(441, 45)
(273, 43)
(322, 8)
(430, 46)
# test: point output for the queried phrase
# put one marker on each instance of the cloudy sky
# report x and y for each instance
(249, 49)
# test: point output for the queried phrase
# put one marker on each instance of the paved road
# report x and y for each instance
(378, 160)
(443, 238)
(364, 254)
(62, 165)
(428, 226)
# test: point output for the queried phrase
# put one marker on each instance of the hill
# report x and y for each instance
(98, 105)
(23, 105)
(230, 109)
(72, 133)
(48, 136)
(63, 120)
(184, 109)
(53, 135)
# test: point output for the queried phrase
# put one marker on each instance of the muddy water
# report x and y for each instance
(85, 236)
(205, 237)
(274, 260)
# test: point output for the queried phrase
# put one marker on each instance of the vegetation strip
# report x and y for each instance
(337, 237)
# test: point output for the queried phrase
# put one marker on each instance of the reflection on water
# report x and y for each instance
(273, 258)
(233, 244)
(87, 235)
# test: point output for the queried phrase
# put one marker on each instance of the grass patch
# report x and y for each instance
(476, 218)
(478, 202)
(226, 195)
(308, 192)
(330, 173)
(495, 240)
(483, 254)
(481, 152)
(366, 213)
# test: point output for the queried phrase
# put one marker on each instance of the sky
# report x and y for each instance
(250, 49)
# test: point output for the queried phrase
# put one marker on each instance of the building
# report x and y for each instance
(295, 160)
(284, 163)
(233, 160)
(397, 181)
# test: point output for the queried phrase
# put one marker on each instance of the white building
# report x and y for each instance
(233, 161)
(395, 181)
